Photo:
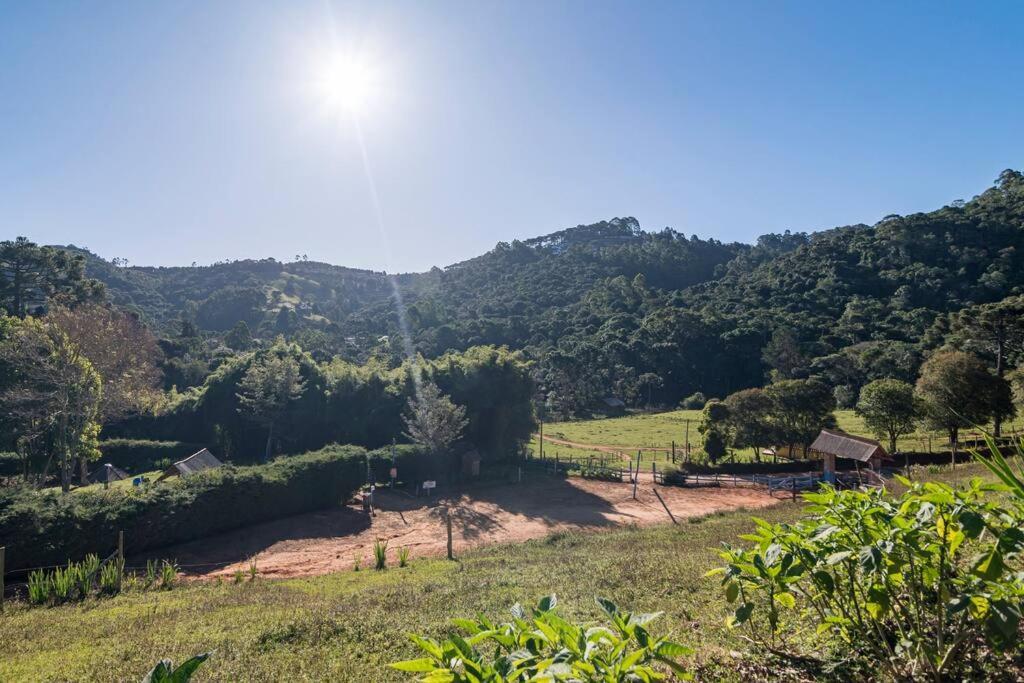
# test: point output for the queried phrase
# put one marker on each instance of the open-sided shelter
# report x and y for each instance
(832, 444)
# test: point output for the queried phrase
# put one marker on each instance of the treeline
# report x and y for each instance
(342, 402)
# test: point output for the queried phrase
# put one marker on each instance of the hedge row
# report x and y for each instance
(48, 528)
(414, 465)
(137, 455)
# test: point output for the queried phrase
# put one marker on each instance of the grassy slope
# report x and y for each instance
(348, 626)
(659, 429)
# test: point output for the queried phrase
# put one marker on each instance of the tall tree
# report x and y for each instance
(268, 387)
(433, 420)
(800, 409)
(31, 275)
(994, 331)
(120, 348)
(714, 428)
(56, 392)
(750, 412)
(889, 408)
(957, 391)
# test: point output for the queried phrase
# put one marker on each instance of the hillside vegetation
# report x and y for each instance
(611, 310)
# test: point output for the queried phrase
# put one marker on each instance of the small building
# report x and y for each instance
(197, 462)
(107, 473)
(832, 444)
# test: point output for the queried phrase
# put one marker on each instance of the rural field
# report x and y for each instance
(653, 433)
(347, 625)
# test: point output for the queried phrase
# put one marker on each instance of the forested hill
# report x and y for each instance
(611, 310)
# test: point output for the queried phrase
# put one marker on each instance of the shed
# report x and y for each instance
(832, 444)
(106, 473)
(197, 462)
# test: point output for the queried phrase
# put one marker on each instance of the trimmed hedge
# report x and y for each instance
(48, 528)
(137, 455)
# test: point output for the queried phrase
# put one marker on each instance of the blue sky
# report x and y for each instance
(174, 132)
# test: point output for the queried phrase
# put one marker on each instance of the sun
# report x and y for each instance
(347, 83)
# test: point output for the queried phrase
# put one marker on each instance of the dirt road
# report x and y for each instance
(332, 540)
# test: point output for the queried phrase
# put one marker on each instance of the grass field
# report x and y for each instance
(347, 626)
(658, 430)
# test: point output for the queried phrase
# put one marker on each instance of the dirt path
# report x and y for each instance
(332, 540)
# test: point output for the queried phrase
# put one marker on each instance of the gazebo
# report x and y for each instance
(832, 444)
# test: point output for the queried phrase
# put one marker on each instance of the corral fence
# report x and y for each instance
(589, 468)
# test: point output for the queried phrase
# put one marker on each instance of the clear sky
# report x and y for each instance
(173, 132)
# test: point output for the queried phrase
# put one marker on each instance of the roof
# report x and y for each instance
(843, 445)
(107, 473)
(197, 462)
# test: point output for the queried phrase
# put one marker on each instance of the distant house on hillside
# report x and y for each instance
(197, 462)
(832, 444)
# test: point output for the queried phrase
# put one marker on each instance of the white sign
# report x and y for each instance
(427, 485)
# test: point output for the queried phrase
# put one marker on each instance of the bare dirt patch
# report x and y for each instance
(332, 540)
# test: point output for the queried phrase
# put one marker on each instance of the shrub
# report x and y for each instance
(403, 557)
(910, 584)
(539, 645)
(46, 528)
(694, 401)
(40, 590)
(139, 455)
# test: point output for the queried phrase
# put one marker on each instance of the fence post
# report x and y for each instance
(635, 479)
(673, 451)
(3, 550)
(448, 523)
(120, 558)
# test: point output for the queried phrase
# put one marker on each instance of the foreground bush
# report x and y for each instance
(48, 528)
(911, 584)
(541, 646)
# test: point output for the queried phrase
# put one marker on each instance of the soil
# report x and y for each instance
(332, 540)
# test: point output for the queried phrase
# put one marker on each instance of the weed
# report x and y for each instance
(380, 555)
(403, 557)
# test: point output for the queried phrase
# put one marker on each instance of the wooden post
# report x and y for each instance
(120, 558)
(448, 522)
(635, 479)
(670, 515)
(687, 440)
(542, 438)
(792, 482)
(3, 550)
(673, 451)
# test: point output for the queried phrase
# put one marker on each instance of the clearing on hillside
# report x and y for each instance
(333, 540)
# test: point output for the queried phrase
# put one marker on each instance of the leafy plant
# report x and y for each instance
(908, 582)
(86, 574)
(164, 671)
(63, 582)
(168, 575)
(539, 645)
(110, 577)
(403, 557)
(253, 571)
(40, 587)
(380, 555)
(152, 566)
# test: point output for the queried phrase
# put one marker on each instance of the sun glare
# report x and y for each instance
(347, 84)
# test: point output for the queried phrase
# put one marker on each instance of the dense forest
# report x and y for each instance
(612, 311)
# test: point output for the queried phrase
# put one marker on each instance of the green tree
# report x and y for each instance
(239, 338)
(957, 391)
(55, 395)
(267, 389)
(432, 420)
(750, 412)
(31, 275)
(994, 331)
(714, 427)
(801, 408)
(889, 408)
